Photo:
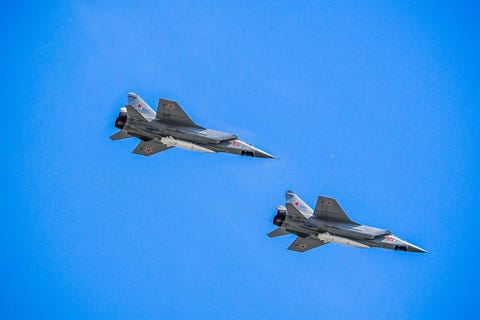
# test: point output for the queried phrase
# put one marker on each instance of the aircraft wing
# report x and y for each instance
(304, 244)
(147, 148)
(170, 111)
(329, 209)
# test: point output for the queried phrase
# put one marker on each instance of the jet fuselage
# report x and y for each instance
(328, 230)
(171, 133)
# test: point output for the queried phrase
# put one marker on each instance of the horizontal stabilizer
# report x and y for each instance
(120, 135)
(304, 244)
(147, 148)
(278, 232)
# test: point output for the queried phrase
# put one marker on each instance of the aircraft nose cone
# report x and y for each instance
(262, 154)
(412, 248)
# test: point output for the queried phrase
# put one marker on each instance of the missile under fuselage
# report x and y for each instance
(172, 142)
(327, 237)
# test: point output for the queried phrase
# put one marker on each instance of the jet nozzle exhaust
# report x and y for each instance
(121, 120)
(280, 216)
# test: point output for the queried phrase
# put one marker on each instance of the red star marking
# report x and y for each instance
(170, 106)
(148, 150)
(296, 204)
(302, 246)
(329, 203)
(139, 105)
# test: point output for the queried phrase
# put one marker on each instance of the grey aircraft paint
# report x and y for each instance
(329, 223)
(171, 127)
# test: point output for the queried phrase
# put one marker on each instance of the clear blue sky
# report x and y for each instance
(374, 103)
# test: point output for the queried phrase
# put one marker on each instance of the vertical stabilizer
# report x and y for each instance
(296, 206)
(141, 106)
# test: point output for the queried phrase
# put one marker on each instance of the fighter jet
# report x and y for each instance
(171, 127)
(329, 223)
